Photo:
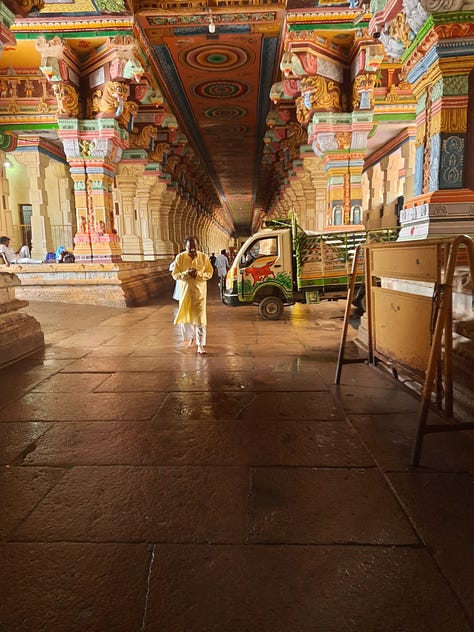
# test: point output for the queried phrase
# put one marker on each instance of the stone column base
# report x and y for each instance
(132, 248)
(97, 248)
(148, 250)
(20, 334)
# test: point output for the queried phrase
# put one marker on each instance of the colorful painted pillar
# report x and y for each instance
(435, 42)
(338, 127)
(341, 142)
(93, 149)
(94, 129)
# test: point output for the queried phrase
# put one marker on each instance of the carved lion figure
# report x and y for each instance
(363, 84)
(158, 153)
(145, 138)
(68, 100)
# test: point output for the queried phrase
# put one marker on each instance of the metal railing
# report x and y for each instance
(61, 235)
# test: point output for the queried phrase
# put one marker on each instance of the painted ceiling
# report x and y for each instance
(219, 85)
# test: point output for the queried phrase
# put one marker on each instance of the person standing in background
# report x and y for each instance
(192, 269)
(222, 265)
(212, 259)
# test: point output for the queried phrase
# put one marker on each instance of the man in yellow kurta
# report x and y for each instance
(193, 269)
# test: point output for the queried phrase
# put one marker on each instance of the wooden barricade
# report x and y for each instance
(413, 331)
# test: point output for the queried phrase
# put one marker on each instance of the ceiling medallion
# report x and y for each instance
(217, 57)
(221, 89)
(225, 113)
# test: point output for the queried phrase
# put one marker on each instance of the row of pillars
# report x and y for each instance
(125, 214)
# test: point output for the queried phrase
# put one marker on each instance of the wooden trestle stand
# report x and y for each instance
(412, 331)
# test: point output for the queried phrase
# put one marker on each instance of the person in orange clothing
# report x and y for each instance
(193, 269)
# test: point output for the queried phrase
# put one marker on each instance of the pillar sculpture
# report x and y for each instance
(436, 44)
(94, 130)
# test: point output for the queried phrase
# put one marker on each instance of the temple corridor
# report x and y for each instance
(148, 489)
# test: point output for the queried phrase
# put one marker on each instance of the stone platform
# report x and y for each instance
(124, 284)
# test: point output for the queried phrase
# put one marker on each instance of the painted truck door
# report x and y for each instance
(267, 259)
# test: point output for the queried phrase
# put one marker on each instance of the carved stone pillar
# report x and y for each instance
(20, 333)
(6, 220)
(161, 202)
(36, 163)
(145, 221)
(93, 148)
(314, 190)
(127, 178)
(341, 142)
(175, 227)
(182, 217)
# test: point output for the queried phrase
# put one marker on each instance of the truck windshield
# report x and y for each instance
(265, 247)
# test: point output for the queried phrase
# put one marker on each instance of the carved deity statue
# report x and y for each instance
(416, 15)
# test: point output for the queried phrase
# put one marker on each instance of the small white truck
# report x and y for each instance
(283, 264)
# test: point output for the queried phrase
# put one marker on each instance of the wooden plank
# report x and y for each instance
(401, 327)
(405, 262)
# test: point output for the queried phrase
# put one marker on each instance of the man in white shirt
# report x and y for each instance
(10, 256)
(222, 265)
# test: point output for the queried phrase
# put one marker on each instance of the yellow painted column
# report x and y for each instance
(36, 163)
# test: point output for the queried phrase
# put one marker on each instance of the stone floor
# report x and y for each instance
(145, 488)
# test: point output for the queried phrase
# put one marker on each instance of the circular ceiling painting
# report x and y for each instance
(225, 113)
(216, 58)
(221, 89)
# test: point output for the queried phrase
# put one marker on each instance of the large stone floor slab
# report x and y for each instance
(191, 442)
(308, 589)
(69, 587)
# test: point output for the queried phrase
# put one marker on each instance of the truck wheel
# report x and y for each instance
(359, 300)
(270, 308)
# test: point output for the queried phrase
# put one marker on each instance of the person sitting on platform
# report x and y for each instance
(10, 256)
(64, 256)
